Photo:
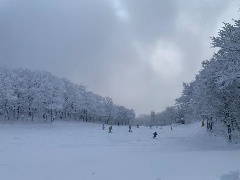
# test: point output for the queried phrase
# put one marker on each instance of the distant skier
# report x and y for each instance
(110, 129)
(202, 123)
(103, 126)
(155, 135)
(118, 123)
(137, 126)
(130, 128)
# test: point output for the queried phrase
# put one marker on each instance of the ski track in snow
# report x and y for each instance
(83, 151)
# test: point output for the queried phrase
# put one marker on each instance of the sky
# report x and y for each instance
(138, 52)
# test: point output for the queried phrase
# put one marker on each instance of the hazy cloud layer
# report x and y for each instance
(136, 52)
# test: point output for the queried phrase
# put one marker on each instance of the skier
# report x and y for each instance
(118, 123)
(110, 129)
(137, 126)
(154, 135)
(103, 126)
(202, 123)
(130, 128)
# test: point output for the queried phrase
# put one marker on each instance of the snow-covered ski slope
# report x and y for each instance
(83, 151)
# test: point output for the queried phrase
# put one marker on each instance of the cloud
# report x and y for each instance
(137, 52)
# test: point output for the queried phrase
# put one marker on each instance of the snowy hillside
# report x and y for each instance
(83, 151)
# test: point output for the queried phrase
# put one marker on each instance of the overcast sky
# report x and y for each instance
(138, 52)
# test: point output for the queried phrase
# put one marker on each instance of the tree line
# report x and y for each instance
(214, 95)
(27, 95)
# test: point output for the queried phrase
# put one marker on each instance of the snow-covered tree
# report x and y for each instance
(27, 95)
(214, 94)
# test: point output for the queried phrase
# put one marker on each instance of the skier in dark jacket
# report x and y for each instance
(110, 129)
(155, 135)
(130, 128)
(202, 123)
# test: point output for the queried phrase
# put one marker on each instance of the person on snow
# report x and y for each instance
(155, 135)
(130, 128)
(137, 126)
(103, 126)
(202, 123)
(110, 129)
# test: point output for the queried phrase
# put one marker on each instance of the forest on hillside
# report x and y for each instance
(39, 96)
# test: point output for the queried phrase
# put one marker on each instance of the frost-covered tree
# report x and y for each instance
(228, 73)
(214, 95)
(153, 118)
(183, 104)
(27, 95)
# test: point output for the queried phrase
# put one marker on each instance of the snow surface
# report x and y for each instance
(83, 151)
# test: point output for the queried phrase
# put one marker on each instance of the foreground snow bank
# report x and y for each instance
(62, 151)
